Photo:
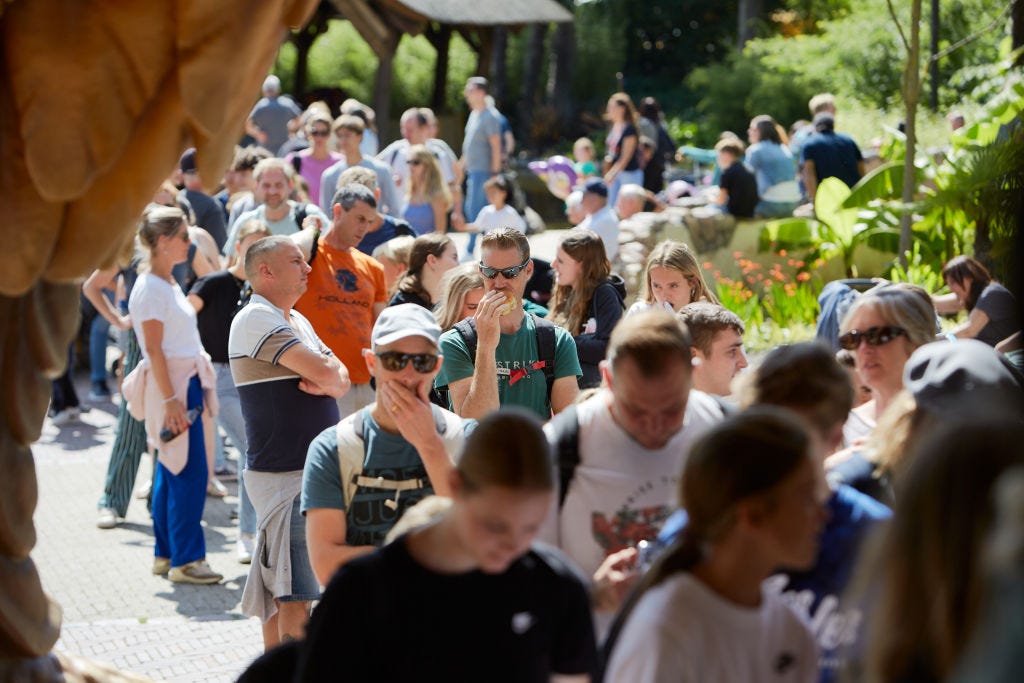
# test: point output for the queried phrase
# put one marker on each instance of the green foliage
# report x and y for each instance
(838, 230)
(920, 270)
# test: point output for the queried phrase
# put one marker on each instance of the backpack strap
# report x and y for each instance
(352, 456)
(545, 331)
(565, 429)
(301, 211)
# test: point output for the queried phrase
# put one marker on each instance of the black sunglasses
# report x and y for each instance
(874, 336)
(413, 162)
(393, 361)
(320, 132)
(507, 273)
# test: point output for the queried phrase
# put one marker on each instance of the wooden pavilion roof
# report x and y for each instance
(480, 12)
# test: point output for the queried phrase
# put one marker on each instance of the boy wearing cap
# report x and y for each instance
(600, 219)
(406, 447)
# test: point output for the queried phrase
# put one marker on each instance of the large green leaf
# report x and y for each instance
(828, 207)
(884, 182)
(788, 233)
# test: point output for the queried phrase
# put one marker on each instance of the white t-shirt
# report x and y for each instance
(621, 492)
(396, 155)
(682, 631)
(641, 306)
(605, 223)
(491, 218)
(154, 298)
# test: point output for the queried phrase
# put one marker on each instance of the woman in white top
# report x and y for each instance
(754, 495)
(168, 387)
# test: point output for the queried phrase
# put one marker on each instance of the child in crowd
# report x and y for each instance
(394, 256)
(583, 154)
(672, 279)
(498, 213)
(587, 299)
(737, 188)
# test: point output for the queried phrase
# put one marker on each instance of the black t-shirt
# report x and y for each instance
(219, 292)
(628, 130)
(401, 297)
(384, 617)
(999, 305)
(742, 187)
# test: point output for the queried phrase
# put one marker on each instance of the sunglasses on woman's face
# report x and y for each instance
(874, 336)
(509, 273)
(320, 132)
(394, 361)
(413, 162)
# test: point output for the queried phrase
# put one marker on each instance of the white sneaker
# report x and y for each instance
(65, 416)
(107, 518)
(244, 548)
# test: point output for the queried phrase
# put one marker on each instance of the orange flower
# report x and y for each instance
(708, 265)
(782, 252)
(803, 277)
(737, 254)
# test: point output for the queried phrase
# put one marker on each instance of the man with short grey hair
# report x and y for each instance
(346, 289)
(273, 116)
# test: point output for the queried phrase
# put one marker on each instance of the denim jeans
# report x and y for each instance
(624, 178)
(476, 199)
(229, 418)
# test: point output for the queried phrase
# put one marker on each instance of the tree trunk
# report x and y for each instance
(749, 12)
(933, 66)
(499, 66)
(911, 96)
(563, 60)
(534, 58)
(382, 91)
(303, 40)
(441, 40)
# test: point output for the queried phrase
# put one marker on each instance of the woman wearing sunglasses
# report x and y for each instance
(406, 447)
(310, 163)
(882, 328)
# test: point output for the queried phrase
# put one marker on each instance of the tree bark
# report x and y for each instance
(534, 58)
(441, 40)
(933, 67)
(911, 96)
(563, 60)
(749, 12)
(499, 66)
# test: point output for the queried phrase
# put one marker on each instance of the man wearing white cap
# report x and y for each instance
(393, 453)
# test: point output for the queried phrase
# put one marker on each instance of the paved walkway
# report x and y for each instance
(115, 610)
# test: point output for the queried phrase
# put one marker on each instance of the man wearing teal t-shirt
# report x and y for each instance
(505, 368)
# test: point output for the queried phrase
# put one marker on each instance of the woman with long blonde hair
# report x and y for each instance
(429, 198)
(587, 300)
(463, 288)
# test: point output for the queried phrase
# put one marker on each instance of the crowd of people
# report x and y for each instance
(498, 468)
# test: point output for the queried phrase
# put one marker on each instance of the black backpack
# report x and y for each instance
(545, 331)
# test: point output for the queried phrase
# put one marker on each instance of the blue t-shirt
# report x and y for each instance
(772, 164)
(389, 229)
(815, 594)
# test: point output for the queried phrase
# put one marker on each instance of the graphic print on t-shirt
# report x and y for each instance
(627, 527)
(347, 280)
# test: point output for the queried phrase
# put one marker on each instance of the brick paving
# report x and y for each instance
(115, 610)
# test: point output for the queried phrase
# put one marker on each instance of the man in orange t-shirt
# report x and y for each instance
(346, 290)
